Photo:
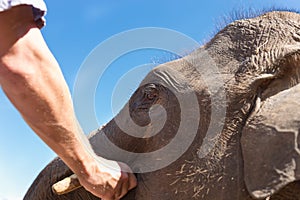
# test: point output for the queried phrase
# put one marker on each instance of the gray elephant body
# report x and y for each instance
(256, 153)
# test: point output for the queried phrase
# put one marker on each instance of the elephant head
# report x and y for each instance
(228, 115)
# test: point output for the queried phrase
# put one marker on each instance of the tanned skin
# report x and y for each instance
(32, 80)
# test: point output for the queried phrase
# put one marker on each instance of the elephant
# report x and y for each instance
(233, 107)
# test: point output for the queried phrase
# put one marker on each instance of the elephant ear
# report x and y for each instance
(270, 138)
(270, 144)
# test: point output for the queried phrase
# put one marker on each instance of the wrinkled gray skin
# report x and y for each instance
(257, 154)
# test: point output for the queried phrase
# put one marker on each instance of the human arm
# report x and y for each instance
(32, 80)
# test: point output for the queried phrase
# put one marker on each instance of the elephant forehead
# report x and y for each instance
(170, 77)
(291, 16)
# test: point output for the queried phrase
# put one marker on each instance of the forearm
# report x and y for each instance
(31, 78)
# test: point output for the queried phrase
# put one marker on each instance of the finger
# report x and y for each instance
(131, 177)
(125, 186)
(119, 188)
(132, 181)
(118, 192)
(110, 198)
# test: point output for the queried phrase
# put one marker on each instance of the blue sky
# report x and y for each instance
(72, 32)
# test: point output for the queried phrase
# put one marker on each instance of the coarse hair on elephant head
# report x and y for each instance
(233, 102)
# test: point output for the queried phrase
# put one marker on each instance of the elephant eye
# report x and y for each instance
(151, 96)
(150, 92)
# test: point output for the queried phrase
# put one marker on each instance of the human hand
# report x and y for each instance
(109, 180)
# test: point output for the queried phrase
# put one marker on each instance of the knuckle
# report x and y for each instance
(108, 196)
(125, 176)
